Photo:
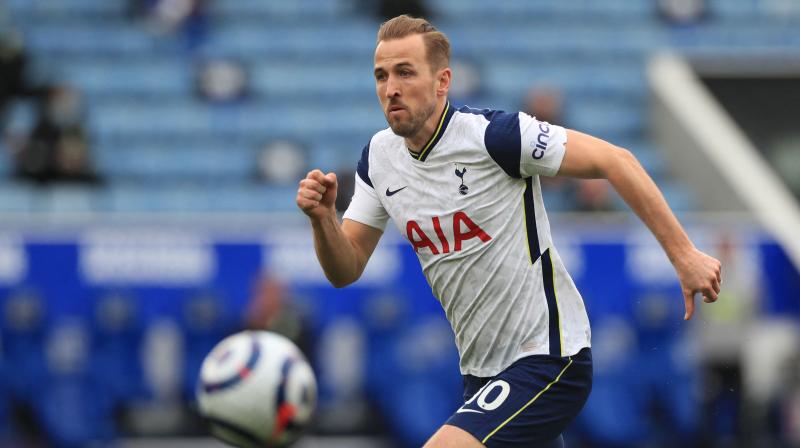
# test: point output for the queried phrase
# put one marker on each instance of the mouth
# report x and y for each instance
(396, 108)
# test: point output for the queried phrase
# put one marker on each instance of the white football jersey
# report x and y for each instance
(471, 205)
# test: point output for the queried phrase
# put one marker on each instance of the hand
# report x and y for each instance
(698, 273)
(316, 196)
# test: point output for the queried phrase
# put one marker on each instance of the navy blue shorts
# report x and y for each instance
(527, 405)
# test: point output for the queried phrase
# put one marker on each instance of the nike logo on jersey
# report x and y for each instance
(389, 192)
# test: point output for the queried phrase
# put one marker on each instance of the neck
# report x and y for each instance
(418, 141)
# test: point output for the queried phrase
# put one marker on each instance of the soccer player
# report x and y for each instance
(463, 185)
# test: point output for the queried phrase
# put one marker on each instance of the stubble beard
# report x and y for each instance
(410, 128)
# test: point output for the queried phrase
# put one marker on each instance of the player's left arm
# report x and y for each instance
(591, 158)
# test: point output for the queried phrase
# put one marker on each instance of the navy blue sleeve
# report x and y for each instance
(363, 166)
(503, 142)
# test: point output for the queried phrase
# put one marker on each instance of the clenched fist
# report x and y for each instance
(316, 196)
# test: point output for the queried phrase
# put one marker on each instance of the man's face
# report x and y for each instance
(405, 85)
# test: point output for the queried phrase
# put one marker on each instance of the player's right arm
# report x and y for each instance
(342, 249)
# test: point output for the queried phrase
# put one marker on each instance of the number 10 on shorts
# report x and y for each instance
(483, 395)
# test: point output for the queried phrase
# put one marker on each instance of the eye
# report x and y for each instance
(405, 73)
(380, 76)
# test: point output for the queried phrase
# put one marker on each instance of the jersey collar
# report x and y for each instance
(437, 135)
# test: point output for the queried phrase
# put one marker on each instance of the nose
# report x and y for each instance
(392, 88)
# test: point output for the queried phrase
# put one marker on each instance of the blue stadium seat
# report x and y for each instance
(75, 411)
(24, 324)
(75, 8)
(117, 331)
(341, 38)
(748, 10)
(80, 40)
(307, 78)
(607, 120)
(337, 155)
(106, 144)
(19, 120)
(134, 197)
(476, 10)
(71, 405)
(150, 76)
(205, 320)
(511, 79)
(521, 40)
(17, 197)
(252, 198)
(720, 36)
(178, 164)
(234, 120)
(72, 199)
(305, 10)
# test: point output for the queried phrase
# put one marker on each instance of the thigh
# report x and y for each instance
(449, 436)
(528, 404)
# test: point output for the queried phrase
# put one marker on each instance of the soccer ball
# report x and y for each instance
(256, 389)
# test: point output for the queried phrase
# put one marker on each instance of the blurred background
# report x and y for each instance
(149, 160)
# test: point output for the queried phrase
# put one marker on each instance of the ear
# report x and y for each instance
(443, 78)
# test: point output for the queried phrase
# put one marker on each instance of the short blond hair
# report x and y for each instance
(437, 46)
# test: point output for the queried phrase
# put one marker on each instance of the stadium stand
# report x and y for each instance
(307, 60)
